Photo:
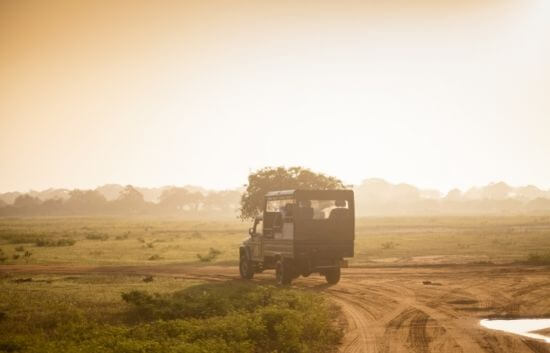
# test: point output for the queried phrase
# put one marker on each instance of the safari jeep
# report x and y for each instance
(301, 232)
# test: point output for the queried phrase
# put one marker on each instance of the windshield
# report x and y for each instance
(279, 205)
(323, 209)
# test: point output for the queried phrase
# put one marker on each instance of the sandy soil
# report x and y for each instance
(399, 309)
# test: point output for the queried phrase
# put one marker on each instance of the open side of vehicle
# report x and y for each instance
(301, 232)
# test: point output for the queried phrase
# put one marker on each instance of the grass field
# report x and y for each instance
(417, 240)
(123, 311)
(125, 314)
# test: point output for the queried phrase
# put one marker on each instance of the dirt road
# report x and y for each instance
(406, 309)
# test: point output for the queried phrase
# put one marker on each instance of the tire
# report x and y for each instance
(332, 275)
(283, 273)
(246, 267)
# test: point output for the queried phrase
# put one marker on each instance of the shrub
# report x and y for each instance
(10, 346)
(155, 257)
(230, 317)
(19, 238)
(16, 256)
(122, 237)
(389, 245)
(212, 254)
(539, 259)
(97, 236)
(20, 248)
(54, 243)
(234, 318)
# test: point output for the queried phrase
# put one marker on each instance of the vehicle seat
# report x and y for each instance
(288, 211)
(339, 213)
(306, 212)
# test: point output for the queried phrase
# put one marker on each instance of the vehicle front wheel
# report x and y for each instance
(283, 273)
(246, 268)
(332, 275)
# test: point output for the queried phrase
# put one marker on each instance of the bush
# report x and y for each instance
(54, 243)
(19, 238)
(389, 245)
(235, 318)
(10, 346)
(539, 259)
(97, 236)
(230, 317)
(212, 254)
(20, 248)
(155, 257)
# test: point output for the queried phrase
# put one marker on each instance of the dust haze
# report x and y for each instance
(260, 177)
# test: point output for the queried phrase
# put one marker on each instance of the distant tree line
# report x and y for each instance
(374, 197)
(174, 201)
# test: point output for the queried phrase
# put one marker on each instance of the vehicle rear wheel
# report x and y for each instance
(246, 268)
(283, 273)
(332, 275)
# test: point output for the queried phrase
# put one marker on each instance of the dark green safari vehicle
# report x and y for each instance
(299, 233)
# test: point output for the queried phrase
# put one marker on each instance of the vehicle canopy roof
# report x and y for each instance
(310, 194)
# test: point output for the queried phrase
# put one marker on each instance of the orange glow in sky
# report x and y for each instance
(435, 93)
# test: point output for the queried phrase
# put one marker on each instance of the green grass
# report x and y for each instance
(115, 241)
(126, 314)
(119, 313)
(112, 241)
(449, 239)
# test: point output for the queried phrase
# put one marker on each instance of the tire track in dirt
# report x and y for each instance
(537, 347)
(359, 337)
(417, 333)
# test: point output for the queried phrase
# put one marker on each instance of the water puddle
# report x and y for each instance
(522, 327)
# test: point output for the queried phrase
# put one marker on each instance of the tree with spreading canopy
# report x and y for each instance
(280, 178)
(180, 199)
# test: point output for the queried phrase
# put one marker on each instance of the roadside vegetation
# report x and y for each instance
(132, 314)
(539, 258)
(379, 241)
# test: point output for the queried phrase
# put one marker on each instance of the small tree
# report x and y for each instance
(280, 178)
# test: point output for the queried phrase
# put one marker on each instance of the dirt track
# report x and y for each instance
(406, 309)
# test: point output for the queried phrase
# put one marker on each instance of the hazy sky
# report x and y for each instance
(438, 93)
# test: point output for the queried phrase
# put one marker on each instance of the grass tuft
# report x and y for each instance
(211, 256)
